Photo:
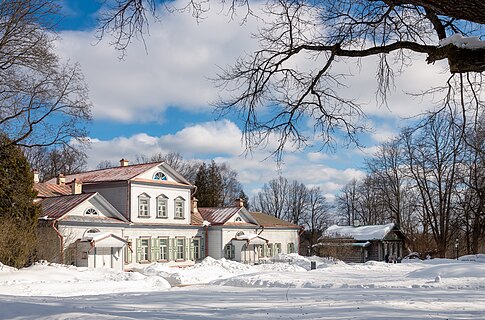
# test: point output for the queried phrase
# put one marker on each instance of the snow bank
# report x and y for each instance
(451, 270)
(50, 279)
(473, 257)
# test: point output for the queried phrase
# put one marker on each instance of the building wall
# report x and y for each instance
(153, 191)
(154, 233)
(216, 248)
(115, 193)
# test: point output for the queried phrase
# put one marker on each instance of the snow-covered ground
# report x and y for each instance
(221, 289)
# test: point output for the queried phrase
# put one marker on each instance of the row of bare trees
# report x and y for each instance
(431, 181)
(296, 203)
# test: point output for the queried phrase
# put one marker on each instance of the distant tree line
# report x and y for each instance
(430, 180)
(298, 204)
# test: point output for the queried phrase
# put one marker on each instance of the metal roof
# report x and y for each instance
(45, 190)
(267, 220)
(218, 215)
(196, 219)
(56, 207)
(110, 174)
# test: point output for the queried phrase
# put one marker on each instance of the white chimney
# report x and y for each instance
(61, 179)
(123, 162)
(36, 175)
(239, 203)
(76, 186)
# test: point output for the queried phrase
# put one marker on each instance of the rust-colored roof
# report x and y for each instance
(110, 174)
(196, 219)
(218, 215)
(45, 190)
(56, 207)
(267, 220)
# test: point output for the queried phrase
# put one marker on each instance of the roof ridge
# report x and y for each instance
(117, 167)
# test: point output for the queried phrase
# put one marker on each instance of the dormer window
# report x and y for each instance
(143, 206)
(179, 208)
(159, 176)
(91, 212)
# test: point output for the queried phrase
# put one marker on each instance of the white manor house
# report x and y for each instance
(148, 213)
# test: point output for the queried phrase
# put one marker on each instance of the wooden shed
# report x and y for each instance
(362, 243)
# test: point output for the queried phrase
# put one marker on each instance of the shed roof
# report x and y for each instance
(371, 232)
(56, 207)
(45, 190)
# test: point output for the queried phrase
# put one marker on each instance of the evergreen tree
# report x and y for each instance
(18, 214)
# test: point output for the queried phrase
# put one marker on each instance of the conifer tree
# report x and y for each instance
(18, 214)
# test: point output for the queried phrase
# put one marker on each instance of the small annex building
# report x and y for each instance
(362, 243)
(147, 213)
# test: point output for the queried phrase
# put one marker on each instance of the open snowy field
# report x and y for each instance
(220, 289)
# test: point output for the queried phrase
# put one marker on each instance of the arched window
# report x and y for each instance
(162, 206)
(90, 231)
(238, 219)
(90, 212)
(159, 175)
(239, 233)
(144, 205)
(179, 204)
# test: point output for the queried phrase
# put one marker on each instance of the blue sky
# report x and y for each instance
(158, 99)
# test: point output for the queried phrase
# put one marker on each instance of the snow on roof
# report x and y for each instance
(372, 232)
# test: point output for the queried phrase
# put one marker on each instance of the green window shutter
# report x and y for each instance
(155, 249)
(274, 249)
(138, 250)
(129, 254)
(288, 248)
(172, 249)
(187, 243)
(202, 248)
(192, 249)
(233, 251)
(265, 250)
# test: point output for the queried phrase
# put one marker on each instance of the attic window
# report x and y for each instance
(238, 219)
(240, 233)
(91, 212)
(159, 176)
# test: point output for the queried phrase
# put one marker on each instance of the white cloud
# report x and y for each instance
(175, 69)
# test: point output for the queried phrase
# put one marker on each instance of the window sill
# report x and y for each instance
(144, 217)
(162, 217)
(179, 218)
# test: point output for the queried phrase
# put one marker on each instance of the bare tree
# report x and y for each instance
(317, 216)
(273, 198)
(188, 169)
(43, 102)
(346, 203)
(105, 164)
(326, 32)
(432, 153)
(49, 162)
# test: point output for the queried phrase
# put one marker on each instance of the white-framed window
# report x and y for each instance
(196, 242)
(159, 175)
(162, 206)
(179, 205)
(238, 219)
(90, 212)
(180, 248)
(291, 247)
(143, 205)
(164, 248)
(144, 249)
